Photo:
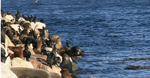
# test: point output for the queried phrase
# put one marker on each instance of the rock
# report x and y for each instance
(66, 74)
(7, 20)
(42, 65)
(57, 40)
(18, 62)
(10, 17)
(21, 19)
(16, 27)
(8, 61)
(22, 72)
(6, 72)
(39, 42)
(74, 66)
(31, 49)
(40, 25)
(39, 56)
(8, 42)
(36, 31)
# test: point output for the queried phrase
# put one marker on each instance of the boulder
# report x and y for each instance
(41, 64)
(10, 17)
(31, 49)
(39, 24)
(21, 19)
(8, 60)
(6, 72)
(36, 31)
(8, 42)
(57, 40)
(7, 20)
(39, 41)
(18, 62)
(16, 27)
(74, 66)
(22, 72)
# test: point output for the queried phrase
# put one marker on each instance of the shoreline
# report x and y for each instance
(26, 43)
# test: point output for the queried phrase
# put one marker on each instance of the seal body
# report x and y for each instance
(66, 63)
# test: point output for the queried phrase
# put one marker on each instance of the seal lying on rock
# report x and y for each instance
(22, 72)
(66, 63)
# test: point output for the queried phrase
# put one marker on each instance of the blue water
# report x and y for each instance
(109, 31)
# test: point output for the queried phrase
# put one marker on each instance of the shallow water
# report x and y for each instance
(111, 32)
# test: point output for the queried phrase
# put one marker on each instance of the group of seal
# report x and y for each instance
(27, 31)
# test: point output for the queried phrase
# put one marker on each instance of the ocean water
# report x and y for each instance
(113, 33)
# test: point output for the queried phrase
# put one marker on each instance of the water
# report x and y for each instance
(111, 32)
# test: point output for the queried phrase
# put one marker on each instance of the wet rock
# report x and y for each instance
(135, 59)
(74, 66)
(132, 67)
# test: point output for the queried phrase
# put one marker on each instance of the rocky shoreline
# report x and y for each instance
(28, 51)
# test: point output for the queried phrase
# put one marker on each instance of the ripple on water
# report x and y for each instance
(113, 33)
